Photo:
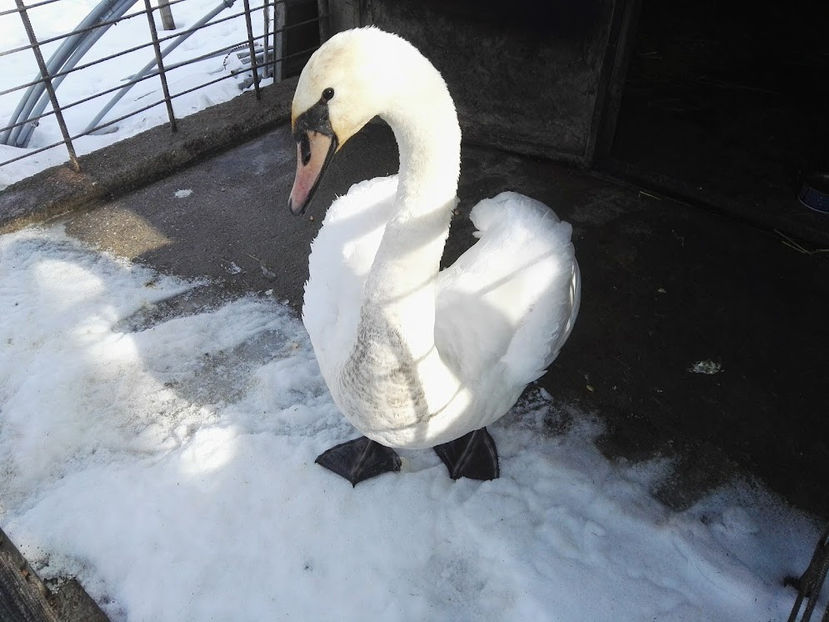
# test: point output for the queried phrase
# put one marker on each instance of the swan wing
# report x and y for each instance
(340, 259)
(507, 305)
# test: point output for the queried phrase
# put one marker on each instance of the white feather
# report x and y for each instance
(415, 357)
(341, 256)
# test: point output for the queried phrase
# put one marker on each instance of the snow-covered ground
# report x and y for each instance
(61, 17)
(167, 460)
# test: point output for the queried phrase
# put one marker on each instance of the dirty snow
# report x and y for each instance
(167, 460)
(707, 367)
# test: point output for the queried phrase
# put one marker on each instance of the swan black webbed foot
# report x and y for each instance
(359, 459)
(473, 455)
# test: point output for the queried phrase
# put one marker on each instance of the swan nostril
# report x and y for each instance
(305, 149)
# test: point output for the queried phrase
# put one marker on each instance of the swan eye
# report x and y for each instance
(328, 93)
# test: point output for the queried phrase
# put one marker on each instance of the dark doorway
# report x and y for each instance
(728, 103)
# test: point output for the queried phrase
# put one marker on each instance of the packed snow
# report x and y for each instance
(164, 455)
(58, 18)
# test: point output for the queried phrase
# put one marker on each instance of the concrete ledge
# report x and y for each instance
(136, 161)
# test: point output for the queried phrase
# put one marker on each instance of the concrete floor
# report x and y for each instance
(665, 285)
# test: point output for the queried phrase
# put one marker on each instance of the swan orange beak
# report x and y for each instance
(314, 151)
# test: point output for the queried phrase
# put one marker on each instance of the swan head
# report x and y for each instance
(353, 77)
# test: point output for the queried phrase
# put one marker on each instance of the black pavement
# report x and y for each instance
(701, 338)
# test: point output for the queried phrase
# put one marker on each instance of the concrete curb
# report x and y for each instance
(141, 159)
(147, 157)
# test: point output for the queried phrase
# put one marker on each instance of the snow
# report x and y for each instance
(166, 459)
(58, 18)
(706, 367)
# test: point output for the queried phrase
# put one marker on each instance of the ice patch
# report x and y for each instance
(708, 368)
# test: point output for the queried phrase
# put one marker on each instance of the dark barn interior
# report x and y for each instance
(726, 102)
(717, 113)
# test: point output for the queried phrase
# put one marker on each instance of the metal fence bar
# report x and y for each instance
(278, 25)
(278, 40)
(33, 152)
(147, 68)
(253, 66)
(68, 53)
(264, 56)
(24, 16)
(201, 86)
(22, 48)
(136, 48)
(30, 6)
(134, 81)
(230, 47)
(266, 27)
(810, 584)
(152, 74)
(167, 21)
(84, 133)
(169, 68)
(96, 26)
(108, 22)
(66, 72)
(134, 112)
(163, 39)
(159, 62)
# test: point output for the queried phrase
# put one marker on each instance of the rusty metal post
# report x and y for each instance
(167, 21)
(252, 48)
(278, 39)
(266, 24)
(47, 81)
(160, 64)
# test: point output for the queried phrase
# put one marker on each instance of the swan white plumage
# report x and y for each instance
(413, 356)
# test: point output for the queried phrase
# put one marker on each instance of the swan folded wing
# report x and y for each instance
(507, 304)
(341, 256)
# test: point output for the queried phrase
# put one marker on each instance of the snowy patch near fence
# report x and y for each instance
(169, 464)
(57, 18)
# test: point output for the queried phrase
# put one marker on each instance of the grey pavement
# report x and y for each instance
(669, 290)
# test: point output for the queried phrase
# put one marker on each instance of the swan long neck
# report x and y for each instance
(395, 360)
(402, 278)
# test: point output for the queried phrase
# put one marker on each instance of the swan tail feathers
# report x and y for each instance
(508, 206)
(545, 274)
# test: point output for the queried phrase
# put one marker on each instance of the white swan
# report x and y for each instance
(416, 357)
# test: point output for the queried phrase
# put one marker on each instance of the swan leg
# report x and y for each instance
(473, 455)
(359, 459)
